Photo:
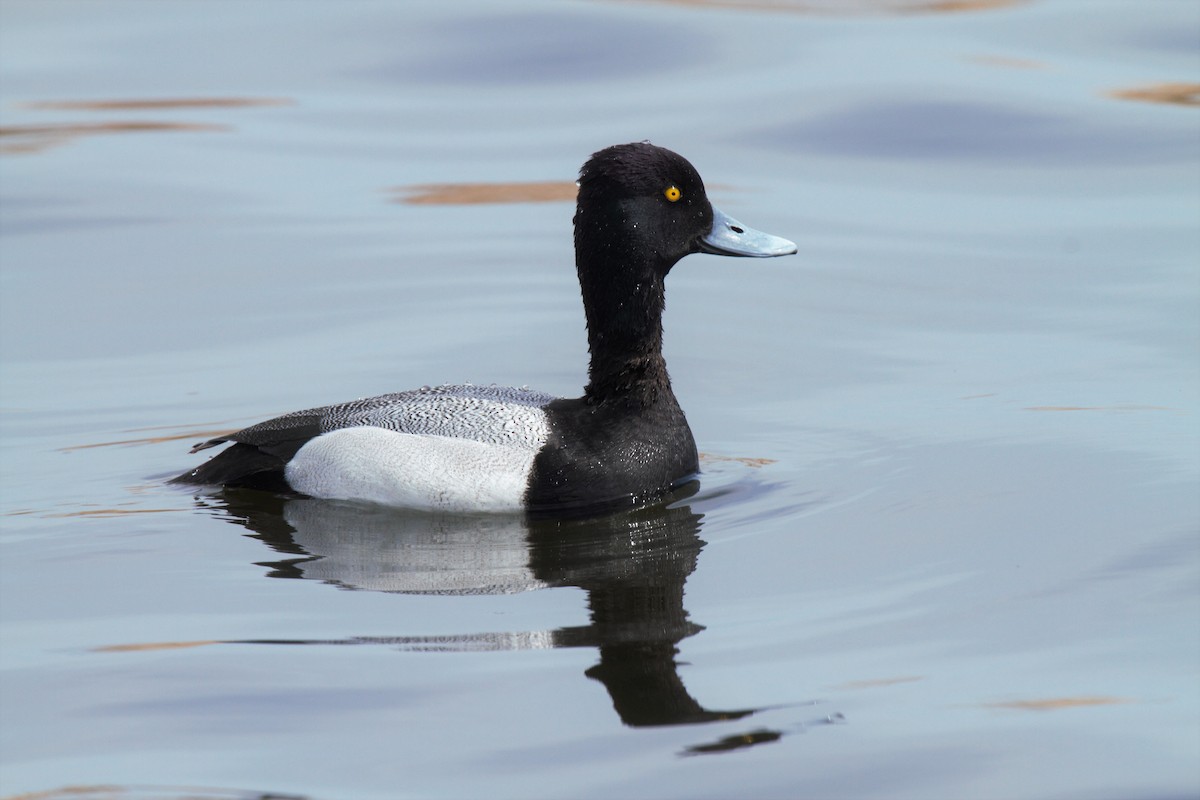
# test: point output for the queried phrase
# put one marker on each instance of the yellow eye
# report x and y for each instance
(672, 193)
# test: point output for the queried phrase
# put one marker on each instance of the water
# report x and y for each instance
(945, 543)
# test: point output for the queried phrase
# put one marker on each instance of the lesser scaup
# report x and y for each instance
(640, 209)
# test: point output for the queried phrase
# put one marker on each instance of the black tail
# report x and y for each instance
(241, 466)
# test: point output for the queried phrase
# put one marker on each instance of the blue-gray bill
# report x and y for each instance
(729, 237)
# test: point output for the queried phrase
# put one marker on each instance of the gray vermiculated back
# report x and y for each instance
(492, 414)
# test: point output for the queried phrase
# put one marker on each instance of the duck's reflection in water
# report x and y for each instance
(633, 566)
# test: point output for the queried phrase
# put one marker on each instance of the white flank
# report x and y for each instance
(412, 470)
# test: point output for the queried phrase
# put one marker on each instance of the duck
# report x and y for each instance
(640, 208)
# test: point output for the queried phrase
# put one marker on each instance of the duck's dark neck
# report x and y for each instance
(621, 278)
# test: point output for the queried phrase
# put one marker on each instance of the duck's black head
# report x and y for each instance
(640, 209)
(649, 203)
(642, 203)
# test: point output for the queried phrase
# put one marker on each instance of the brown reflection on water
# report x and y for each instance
(1006, 62)
(204, 434)
(37, 138)
(143, 647)
(480, 193)
(91, 512)
(28, 139)
(1058, 703)
(1174, 94)
(747, 461)
(1099, 408)
(106, 791)
(848, 8)
(872, 683)
(111, 512)
(157, 104)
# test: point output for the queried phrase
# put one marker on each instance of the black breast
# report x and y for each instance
(609, 455)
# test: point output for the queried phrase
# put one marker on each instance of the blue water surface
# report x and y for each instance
(946, 540)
